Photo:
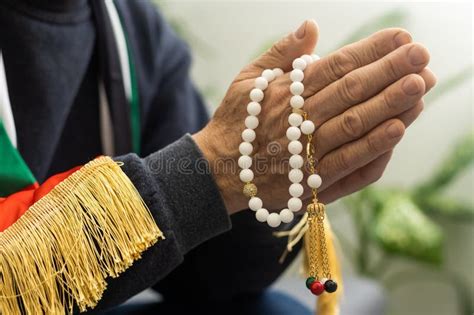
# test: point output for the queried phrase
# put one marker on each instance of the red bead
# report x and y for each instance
(317, 288)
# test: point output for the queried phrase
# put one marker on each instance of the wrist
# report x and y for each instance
(224, 174)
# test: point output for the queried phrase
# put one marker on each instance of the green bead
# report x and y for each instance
(310, 281)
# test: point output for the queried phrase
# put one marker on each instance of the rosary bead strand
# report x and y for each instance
(299, 125)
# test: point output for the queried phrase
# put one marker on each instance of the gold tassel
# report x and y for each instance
(327, 304)
(91, 226)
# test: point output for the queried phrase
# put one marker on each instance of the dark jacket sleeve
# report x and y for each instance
(180, 192)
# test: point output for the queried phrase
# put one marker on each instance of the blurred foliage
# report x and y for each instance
(402, 227)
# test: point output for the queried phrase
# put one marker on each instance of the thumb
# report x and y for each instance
(283, 52)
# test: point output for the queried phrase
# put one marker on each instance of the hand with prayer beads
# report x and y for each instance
(360, 98)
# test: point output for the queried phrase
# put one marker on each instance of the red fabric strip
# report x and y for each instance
(15, 205)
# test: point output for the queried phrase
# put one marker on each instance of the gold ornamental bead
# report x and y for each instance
(299, 111)
(250, 190)
(316, 209)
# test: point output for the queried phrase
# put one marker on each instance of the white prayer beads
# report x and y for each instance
(298, 125)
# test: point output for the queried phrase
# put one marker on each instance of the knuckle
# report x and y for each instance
(390, 68)
(375, 49)
(372, 144)
(343, 160)
(277, 50)
(352, 124)
(352, 88)
(341, 63)
(388, 100)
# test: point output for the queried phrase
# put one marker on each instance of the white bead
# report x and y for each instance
(254, 108)
(308, 59)
(261, 83)
(299, 63)
(246, 175)
(314, 181)
(307, 127)
(295, 147)
(296, 190)
(295, 204)
(296, 101)
(256, 95)
(245, 161)
(255, 203)
(297, 75)
(278, 72)
(315, 57)
(323, 280)
(293, 133)
(251, 122)
(273, 220)
(295, 175)
(296, 161)
(245, 148)
(261, 215)
(286, 216)
(295, 119)
(296, 88)
(268, 74)
(248, 135)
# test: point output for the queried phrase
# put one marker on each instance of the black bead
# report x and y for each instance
(309, 281)
(330, 286)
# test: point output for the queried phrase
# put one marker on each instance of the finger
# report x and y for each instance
(409, 116)
(349, 157)
(358, 120)
(429, 77)
(282, 53)
(336, 65)
(357, 180)
(363, 83)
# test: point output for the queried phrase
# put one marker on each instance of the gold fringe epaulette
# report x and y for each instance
(91, 226)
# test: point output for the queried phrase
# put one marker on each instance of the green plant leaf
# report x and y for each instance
(402, 228)
(456, 162)
(447, 207)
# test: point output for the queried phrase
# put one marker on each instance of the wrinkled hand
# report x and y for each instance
(361, 98)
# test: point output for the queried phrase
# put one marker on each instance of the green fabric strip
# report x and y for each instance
(14, 173)
(134, 105)
(135, 119)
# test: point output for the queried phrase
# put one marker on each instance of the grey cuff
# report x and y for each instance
(178, 187)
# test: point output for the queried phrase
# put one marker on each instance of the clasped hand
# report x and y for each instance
(361, 99)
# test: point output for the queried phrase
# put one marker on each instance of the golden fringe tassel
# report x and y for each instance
(327, 304)
(91, 226)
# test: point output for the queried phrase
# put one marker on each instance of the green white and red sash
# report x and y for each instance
(15, 175)
(61, 240)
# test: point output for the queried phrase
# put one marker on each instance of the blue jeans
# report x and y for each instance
(268, 303)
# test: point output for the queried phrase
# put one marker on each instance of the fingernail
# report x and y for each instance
(410, 86)
(417, 55)
(402, 38)
(300, 32)
(394, 131)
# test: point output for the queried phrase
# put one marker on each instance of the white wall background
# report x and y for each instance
(231, 33)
